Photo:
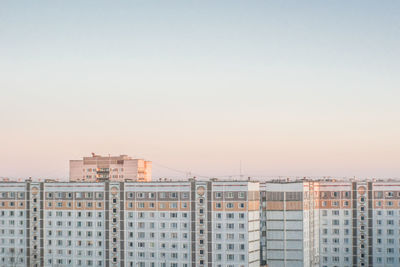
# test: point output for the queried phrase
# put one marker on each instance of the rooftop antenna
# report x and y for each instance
(241, 176)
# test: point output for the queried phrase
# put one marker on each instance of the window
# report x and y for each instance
(230, 226)
(335, 231)
(229, 194)
(230, 257)
(230, 246)
(230, 236)
(390, 260)
(230, 215)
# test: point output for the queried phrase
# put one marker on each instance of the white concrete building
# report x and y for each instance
(189, 223)
(200, 223)
(343, 223)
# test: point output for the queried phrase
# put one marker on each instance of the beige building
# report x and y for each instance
(113, 168)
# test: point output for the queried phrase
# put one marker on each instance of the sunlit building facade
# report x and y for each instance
(200, 223)
(282, 224)
(109, 168)
(341, 223)
(191, 223)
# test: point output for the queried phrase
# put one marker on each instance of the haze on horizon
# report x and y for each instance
(302, 88)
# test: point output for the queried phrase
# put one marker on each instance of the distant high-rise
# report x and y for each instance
(113, 168)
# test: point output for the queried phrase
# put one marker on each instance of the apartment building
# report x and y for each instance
(112, 168)
(200, 223)
(188, 223)
(341, 223)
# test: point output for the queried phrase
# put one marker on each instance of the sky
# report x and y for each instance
(214, 88)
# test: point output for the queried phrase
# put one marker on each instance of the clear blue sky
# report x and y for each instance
(287, 87)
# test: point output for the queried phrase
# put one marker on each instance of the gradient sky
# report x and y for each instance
(299, 88)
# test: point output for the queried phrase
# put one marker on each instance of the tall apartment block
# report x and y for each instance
(112, 168)
(334, 223)
(186, 224)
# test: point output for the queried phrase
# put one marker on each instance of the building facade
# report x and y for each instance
(282, 224)
(112, 168)
(200, 223)
(340, 223)
(191, 223)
